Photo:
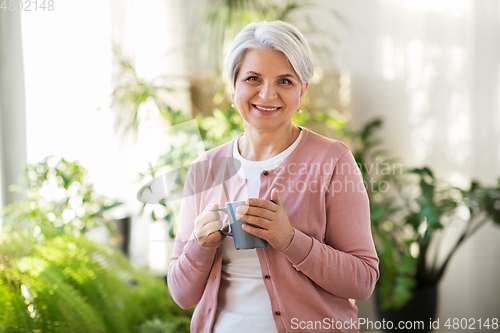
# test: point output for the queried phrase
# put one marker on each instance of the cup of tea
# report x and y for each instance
(242, 239)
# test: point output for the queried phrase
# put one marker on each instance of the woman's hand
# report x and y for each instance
(206, 227)
(271, 217)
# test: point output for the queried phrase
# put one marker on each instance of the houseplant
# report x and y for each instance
(53, 279)
(60, 193)
(410, 237)
(410, 219)
(71, 284)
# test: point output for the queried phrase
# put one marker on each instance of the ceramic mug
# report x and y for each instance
(242, 239)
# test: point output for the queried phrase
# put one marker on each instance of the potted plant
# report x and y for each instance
(53, 279)
(410, 213)
(60, 193)
(405, 221)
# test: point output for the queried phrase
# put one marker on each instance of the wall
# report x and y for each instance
(431, 69)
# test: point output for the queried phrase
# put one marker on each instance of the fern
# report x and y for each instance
(71, 284)
(52, 279)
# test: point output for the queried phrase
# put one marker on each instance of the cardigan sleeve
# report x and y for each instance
(346, 263)
(191, 263)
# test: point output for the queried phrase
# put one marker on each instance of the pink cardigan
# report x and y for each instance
(331, 258)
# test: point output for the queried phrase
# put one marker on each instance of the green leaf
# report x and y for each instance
(430, 214)
(413, 220)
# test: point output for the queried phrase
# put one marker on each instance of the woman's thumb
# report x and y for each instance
(276, 197)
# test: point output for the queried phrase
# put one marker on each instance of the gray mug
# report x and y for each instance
(242, 239)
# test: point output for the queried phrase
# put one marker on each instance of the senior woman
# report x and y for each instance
(305, 197)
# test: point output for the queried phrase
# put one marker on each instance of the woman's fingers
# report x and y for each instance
(254, 211)
(211, 226)
(210, 216)
(207, 217)
(255, 231)
(209, 207)
(206, 227)
(213, 238)
(270, 221)
(258, 221)
(262, 203)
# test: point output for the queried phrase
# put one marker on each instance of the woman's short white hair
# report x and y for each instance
(274, 35)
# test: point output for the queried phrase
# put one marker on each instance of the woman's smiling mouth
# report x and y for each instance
(265, 108)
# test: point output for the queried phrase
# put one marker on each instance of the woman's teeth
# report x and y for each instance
(266, 109)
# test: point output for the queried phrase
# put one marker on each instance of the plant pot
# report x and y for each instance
(122, 240)
(419, 312)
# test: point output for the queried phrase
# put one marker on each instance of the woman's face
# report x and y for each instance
(267, 91)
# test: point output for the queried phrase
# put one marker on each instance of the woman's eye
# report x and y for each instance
(285, 81)
(253, 78)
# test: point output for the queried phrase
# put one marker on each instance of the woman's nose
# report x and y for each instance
(267, 92)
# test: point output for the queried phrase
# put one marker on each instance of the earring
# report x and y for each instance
(300, 111)
(232, 105)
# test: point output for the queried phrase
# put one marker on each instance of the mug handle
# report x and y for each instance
(225, 233)
(225, 211)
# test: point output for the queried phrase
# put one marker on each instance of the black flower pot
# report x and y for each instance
(122, 241)
(416, 316)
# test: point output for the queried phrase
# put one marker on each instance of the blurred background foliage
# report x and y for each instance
(60, 197)
(412, 213)
(54, 279)
(410, 210)
(221, 20)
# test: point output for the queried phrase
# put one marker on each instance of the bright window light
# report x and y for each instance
(454, 7)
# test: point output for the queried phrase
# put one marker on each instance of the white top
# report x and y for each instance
(244, 304)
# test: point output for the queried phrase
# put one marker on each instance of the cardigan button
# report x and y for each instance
(277, 313)
(266, 173)
(267, 277)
